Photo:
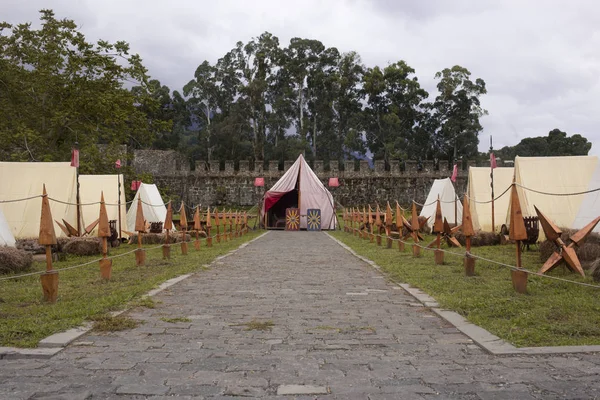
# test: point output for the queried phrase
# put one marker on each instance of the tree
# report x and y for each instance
(557, 143)
(457, 111)
(58, 89)
(394, 108)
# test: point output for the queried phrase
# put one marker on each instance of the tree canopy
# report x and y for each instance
(262, 100)
(557, 143)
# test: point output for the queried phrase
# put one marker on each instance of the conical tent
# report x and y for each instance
(480, 195)
(444, 190)
(299, 188)
(152, 205)
(90, 187)
(6, 236)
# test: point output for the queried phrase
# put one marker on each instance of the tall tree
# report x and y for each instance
(58, 89)
(394, 107)
(457, 110)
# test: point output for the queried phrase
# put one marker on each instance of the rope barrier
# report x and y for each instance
(512, 267)
(110, 258)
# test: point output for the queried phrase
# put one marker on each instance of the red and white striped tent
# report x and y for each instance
(298, 188)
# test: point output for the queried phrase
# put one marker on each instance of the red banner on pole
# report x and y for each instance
(118, 164)
(75, 158)
(135, 185)
(334, 182)
(493, 160)
(454, 173)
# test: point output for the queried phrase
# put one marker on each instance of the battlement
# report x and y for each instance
(171, 163)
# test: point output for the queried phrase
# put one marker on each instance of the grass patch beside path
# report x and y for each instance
(25, 318)
(553, 313)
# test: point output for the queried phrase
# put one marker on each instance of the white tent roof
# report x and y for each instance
(6, 236)
(480, 191)
(26, 179)
(152, 205)
(90, 188)
(590, 205)
(444, 189)
(554, 175)
(313, 194)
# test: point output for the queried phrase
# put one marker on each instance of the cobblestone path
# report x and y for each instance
(292, 315)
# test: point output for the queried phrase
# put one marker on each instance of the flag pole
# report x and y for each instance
(75, 163)
(492, 166)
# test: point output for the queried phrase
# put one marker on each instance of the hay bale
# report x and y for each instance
(480, 239)
(159, 238)
(31, 246)
(587, 253)
(594, 270)
(13, 260)
(84, 246)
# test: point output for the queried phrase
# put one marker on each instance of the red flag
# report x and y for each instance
(75, 158)
(118, 164)
(334, 182)
(493, 160)
(135, 185)
(454, 173)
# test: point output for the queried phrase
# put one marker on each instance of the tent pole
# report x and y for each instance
(78, 204)
(493, 221)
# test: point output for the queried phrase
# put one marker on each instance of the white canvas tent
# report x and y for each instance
(444, 190)
(299, 187)
(554, 175)
(152, 205)
(590, 205)
(26, 179)
(6, 236)
(90, 188)
(480, 190)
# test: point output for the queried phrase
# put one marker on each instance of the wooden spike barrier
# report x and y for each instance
(416, 249)
(401, 245)
(439, 256)
(47, 237)
(468, 231)
(104, 234)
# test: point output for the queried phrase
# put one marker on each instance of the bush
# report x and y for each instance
(13, 260)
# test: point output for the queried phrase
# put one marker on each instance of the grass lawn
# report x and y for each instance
(83, 295)
(553, 313)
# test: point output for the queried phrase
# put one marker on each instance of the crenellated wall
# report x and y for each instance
(217, 183)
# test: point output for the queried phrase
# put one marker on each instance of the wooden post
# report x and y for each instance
(230, 220)
(236, 223)
(468, 231)
(415, 230)
(388, 225)
(517, 233)
(246, 221)
(438, 227)
(378, 225)
(208, 226)
(399, 225)
(183, 226)
(140, 227)
(197, 228)
(47, 237)
(218, 223)
(168, 226)
(104, 234)
(224, 220)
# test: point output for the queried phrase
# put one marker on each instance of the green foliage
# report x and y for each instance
(59, 89)
(557, 143)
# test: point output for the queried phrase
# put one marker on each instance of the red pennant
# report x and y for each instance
(75, 158)
(493, 161)
(118, 164)
(334, 182)
(454, 173)
(259, 181)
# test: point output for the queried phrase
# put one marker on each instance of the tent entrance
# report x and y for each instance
(276, 214)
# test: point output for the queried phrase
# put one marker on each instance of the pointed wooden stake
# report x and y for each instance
(140, 227)
(438, 228)
(183, 226)
(468, 231)
(197, 228)
(518, 233)
(208, 227)
(47, 238)
(168, 227)
(104, 234)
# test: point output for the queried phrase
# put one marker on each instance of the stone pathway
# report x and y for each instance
(333, 328)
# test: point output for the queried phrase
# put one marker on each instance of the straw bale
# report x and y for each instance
(13, 260)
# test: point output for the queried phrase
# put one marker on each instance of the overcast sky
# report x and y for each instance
(539, 59)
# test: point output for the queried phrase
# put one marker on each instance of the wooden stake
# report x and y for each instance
(183, 225)
(517, 233)
(208, 226)
(197, 228)
(468, 231)
(104, 234)
(168, 226)
(47, 237)
(140, 227)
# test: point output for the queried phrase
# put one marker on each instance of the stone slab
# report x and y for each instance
(298, 390)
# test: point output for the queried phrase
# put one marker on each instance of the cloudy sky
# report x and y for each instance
(540, 59)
